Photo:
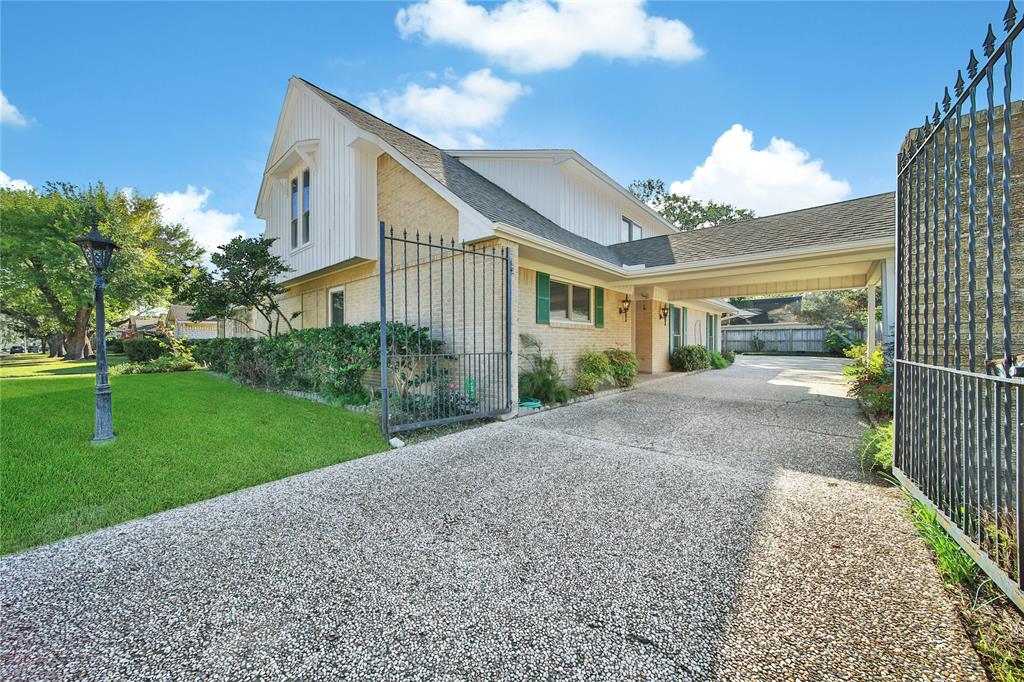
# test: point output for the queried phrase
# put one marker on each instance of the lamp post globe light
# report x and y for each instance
(98, 251)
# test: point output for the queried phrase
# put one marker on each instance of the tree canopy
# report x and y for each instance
(839, 309)
(245, 278)
(685, 212)
(45, 282)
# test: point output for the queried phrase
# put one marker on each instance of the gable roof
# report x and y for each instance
(559, 156)
(769, 310)
(480, 193)
(872, 217)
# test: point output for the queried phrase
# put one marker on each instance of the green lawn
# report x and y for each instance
(181, 438)
(39, 365)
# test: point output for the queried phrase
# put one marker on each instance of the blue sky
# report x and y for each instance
(163, 96)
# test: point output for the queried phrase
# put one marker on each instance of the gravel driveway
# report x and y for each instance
(699, 527)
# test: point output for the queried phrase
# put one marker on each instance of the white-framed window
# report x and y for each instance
(336, 306)
(570, 302)
(630, 230)
(301, 226)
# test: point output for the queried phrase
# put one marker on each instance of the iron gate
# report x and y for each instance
(959, 391)
(445, 334)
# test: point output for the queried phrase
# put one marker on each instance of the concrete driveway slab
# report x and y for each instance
(552, 546)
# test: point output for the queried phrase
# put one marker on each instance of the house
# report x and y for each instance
(767, 310)
(178, 320)
(593, 267)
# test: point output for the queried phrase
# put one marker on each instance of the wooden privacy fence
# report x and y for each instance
(780, 339)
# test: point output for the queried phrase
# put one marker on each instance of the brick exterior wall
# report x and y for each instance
(651, 337)
(916, 326)
(406, 203)
(565, 340)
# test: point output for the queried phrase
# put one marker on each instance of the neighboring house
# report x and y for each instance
(773, 310)
(582, 246)
(177, 318)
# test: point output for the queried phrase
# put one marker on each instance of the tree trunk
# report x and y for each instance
(76, 340)
(56, 344)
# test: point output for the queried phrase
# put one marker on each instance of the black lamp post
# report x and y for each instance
(98, 251)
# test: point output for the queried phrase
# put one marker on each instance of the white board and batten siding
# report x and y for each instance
(566, 193)
(343, 187)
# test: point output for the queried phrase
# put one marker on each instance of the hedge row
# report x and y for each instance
(331, 362)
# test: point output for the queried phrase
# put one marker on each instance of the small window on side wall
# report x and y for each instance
(295, 212)
(305, 206)
(630, 230)
(337, 306)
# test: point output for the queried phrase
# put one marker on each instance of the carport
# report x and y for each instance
(846, 245)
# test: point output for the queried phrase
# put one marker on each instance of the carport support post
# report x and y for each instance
(871, 321)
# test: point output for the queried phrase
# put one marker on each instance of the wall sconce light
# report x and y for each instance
(624, 308)
(663, 314)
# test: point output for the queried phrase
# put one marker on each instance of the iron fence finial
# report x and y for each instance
(959, 88)
(990, 42)
(936, 115)
(1010, 18)
(946, 100)
(972, 66)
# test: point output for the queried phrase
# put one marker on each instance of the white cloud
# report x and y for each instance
(529, 36)
(9, 114)
(210, 227)
(7, 182)
(781, 177)
(450, 115)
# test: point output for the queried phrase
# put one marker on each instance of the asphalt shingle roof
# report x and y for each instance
(838, 223)
(473, 188)
(853, 220)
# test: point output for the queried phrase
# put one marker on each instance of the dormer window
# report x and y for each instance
(631, 231)
(300, 212)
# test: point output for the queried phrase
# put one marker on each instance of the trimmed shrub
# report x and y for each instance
(115, 344)
(718, 361)
(143, 348)
(330, 361)
(593, 369)
(622, 366)
(729, 355)
(165, 363)
(689, 358)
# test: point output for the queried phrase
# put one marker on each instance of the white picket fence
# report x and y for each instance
(797, 338)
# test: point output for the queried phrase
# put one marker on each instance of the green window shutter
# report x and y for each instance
(599, 307)
(543, 298)
(709, 325)
(671, 322)
(684, 326)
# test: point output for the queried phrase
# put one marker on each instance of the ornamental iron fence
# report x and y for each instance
(445, 346)
(958, 362)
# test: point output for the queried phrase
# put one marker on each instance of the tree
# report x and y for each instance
(44, 277)
(245, 278)
(839, 309)
(685, 212)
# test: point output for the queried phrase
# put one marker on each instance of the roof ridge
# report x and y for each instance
(748, 221)
(372, 115)
(500, 206)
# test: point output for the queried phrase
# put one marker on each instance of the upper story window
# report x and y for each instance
(300, 220)
(570, 302)
(630, 230)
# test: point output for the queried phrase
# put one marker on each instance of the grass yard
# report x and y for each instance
(40, 365)
(181, 438)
